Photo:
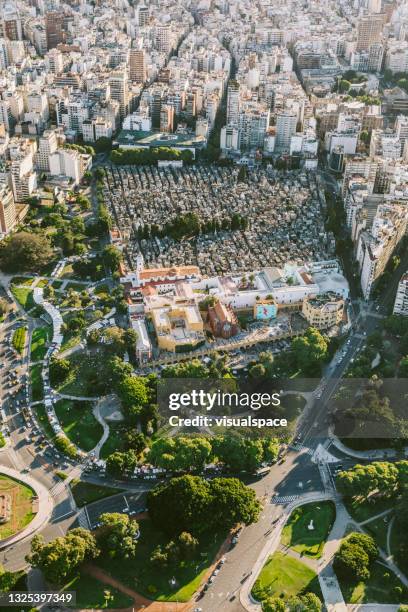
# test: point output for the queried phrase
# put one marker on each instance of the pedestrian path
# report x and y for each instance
(285, 499)
(83, 519)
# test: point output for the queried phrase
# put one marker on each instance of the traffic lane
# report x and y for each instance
(223, 594)
(122, 502)
(301, 476)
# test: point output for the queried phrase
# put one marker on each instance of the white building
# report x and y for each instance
(69, 163)
(401, 299)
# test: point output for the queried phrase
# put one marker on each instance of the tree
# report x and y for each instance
(238, 453)
(356, 553)
(233, 502)
(60, 557)
(114, 338)
(180, 505)
(181, 453)
(4, 306)
(121, 465)
(310, 350)
(188, 544)
(7, 580)
(257, 371)
(135, 441)
(273, 604)
(134, 394)
(59, 371)
(118, 535)
(190, 503)
(23, 252)
(111, 257)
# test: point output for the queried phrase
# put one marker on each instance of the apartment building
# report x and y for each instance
(8, 214)
(401, 299)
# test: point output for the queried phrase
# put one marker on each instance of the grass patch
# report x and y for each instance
(75, 286)
(70, 340)
(78, 423)
(90, 593)
(362, 510)
(19, 339)
(383, 587)
(379, 529)
(113, 443)
(24, 296)
(88, 376)
(37, 384)
(2, 440)
(39, 341)
(57, 284)
(86, 493)
(21, 506)
(305, 541)
(22, 280)
(284, 576)
(153, 582)
(43, 282)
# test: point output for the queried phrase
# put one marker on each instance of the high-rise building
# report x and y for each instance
(54, 22)
(286, 122)
(54, 61)
(142, 15)
(11, 24)
(162, 38)
(7, 209)
(369, 31)
(47, 145)
(233, 103)
(137, 66)
(401, 299)
(166, 118)
(119, 91)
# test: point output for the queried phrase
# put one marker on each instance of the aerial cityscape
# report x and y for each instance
(204, 305)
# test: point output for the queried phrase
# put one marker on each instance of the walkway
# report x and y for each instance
(45, 506)
(105, 435)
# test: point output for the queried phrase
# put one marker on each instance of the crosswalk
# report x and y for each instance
(284, 499)
(83, 519)
(60, 486)
(301, 447)
(57, 488)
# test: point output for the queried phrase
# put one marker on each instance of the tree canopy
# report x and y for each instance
(25, 252)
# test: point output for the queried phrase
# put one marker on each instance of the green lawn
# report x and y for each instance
(24, 296)
(57, 284)
(90, 593)
(361, 510)
(148, 580)
(86, 493)
(383, 587)
(113, 443)
(43, 282)
(78, 423)
(379, 529)
(305, 541)
(75, 286)
(39, 341)
(37, 385)
(22, 280)
(69, 340)
(21, 501)
(284, 576)
(19, 339)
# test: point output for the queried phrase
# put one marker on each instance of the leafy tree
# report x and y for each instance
(135, 441)
(134, 394)
(111, 257)
(354, 557)
(188, 544)
(181, 504)
(233, 502)
(114, 338)
(238, 453)
(23, 252)
(59, 558)
(59, 371)
(310, 350)
(273, 604)
(4, 306)
(118, 535)
(121, 465)
(181, 453)
(361, 480)
(190, 503)
(7, 580)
